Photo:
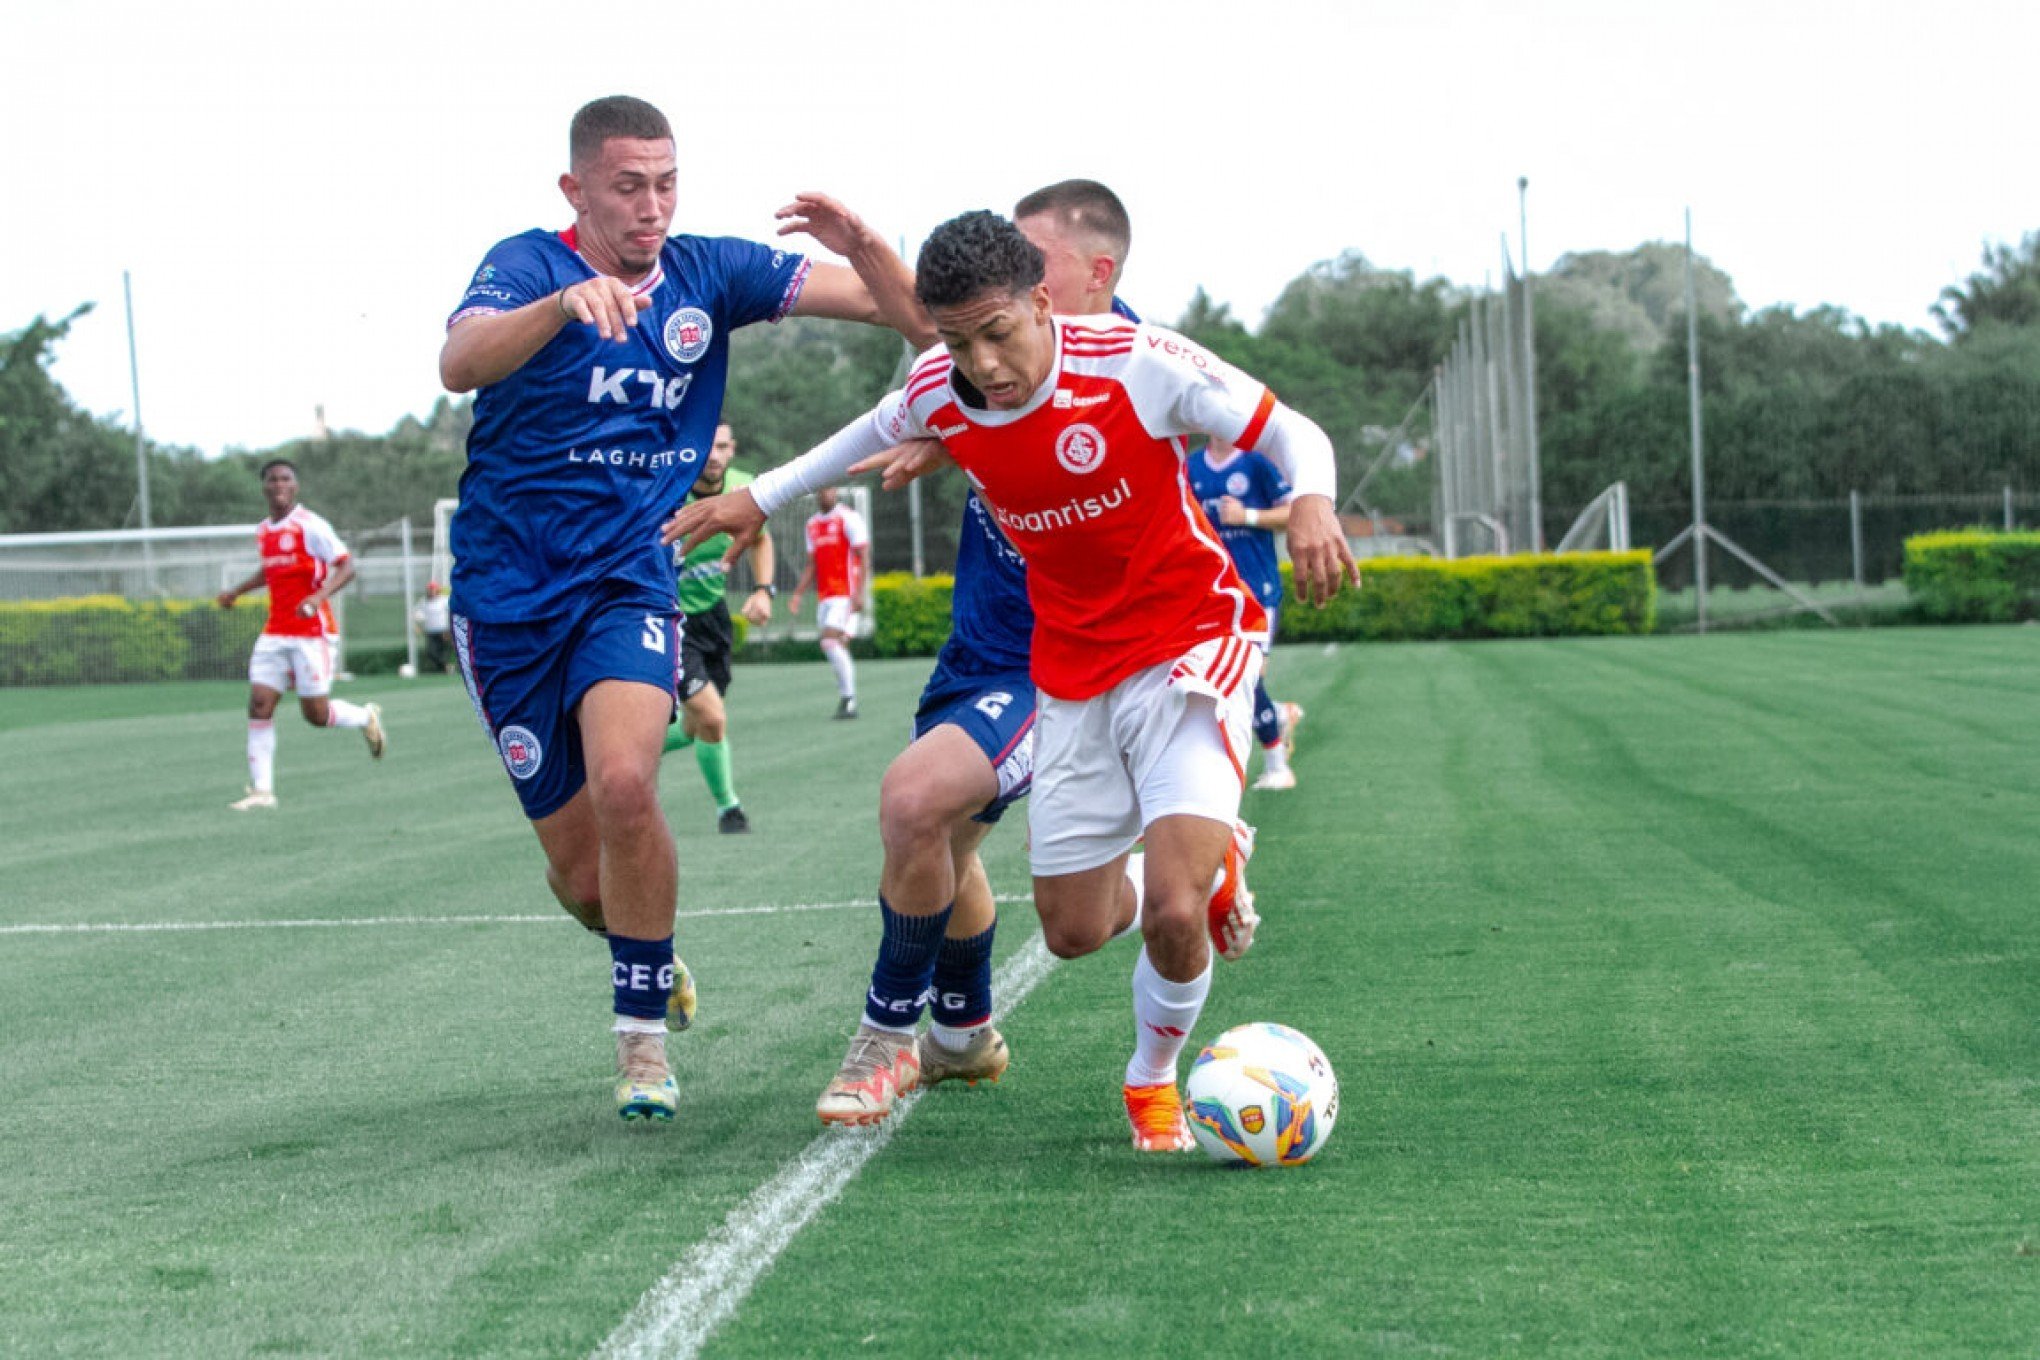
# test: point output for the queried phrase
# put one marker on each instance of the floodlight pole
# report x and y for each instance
(141, 449)
(1530, 369)
(1700, 531)
(1693, 423)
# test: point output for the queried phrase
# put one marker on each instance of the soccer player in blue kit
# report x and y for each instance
(1246, 498)
(598, 355)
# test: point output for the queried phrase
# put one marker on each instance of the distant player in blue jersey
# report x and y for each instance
(598, 355)
(1246, 498)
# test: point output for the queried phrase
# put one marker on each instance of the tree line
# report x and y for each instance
(1796, 405)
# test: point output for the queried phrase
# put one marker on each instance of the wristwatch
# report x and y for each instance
(771, 591)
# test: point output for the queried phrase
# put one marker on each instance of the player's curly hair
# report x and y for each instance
(977, 253)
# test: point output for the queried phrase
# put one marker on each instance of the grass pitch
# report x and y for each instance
(1684, 993)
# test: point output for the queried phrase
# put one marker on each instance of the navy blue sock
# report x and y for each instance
(1267, 722)
(963, 980)
(641, 971)
(906, 964)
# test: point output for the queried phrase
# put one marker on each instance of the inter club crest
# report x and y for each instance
(688, 332)
(522, 755)
(1080, 448)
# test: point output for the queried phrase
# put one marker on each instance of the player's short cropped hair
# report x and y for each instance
(616, 115)
(969, 256)
(263, 471)
(1083, 207)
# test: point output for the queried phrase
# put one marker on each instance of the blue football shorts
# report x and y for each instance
(526, 680)
(996, 712)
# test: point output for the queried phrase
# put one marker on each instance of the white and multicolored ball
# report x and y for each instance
(1262, 1094)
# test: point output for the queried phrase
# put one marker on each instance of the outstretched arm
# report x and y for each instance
(878, 287)
(1317, 543)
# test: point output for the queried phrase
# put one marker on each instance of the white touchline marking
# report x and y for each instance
(677, 1315)
(343, 923)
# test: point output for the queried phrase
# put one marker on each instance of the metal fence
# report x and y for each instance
(1486, 429)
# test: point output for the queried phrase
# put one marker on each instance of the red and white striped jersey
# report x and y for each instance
(298, 552)
(1087, 480)
(833, 538)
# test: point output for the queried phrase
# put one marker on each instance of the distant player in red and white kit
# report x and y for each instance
(1073, 430)
(839, 568)
(304, 565)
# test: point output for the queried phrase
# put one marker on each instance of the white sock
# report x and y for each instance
(842, 665)
(955, 1040)
(340, 713)
(1274, 759)
(868, 1023)
(262, 754)
(1164, 1013)
(1136, 874)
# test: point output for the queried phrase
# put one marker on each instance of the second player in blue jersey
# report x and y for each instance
(1246, 497)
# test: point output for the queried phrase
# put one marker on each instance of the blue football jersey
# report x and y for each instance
(578, 457)
(991, 623)
(1258, 484)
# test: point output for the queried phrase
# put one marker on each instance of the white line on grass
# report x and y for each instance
(677, 1315)
(344, 923)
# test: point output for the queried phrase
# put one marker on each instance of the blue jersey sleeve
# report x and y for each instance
(512, 274)
(759, 282)
(1270, 482)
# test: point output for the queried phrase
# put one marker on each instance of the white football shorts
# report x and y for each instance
(835, 614)
(301, 663)
(1170, 740)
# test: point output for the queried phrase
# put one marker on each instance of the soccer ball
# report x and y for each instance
(407, 671)
(1262, 1094)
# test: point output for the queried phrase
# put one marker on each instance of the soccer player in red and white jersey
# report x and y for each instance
(304, 565)
(839, 568)
(1073, 430)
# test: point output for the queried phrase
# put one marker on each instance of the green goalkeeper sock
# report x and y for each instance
(714, 757)
(676, 737)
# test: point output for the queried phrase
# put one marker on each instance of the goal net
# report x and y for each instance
(1604, 524)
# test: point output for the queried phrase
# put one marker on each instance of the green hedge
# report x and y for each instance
(1550, 595)
(1402, 598)
(911, 617)
(104, 639)
(1974, 575)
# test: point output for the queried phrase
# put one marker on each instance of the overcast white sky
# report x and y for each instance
(301, 192)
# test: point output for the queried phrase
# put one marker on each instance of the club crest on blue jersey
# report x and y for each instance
(1080, 448)
(688, 332)
(1237, 485)
(522, 755)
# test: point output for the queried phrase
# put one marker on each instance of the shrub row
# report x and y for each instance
(1403, 598)
(911, 617)
(1974, 575)
(1551, 595)
(104, 639)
